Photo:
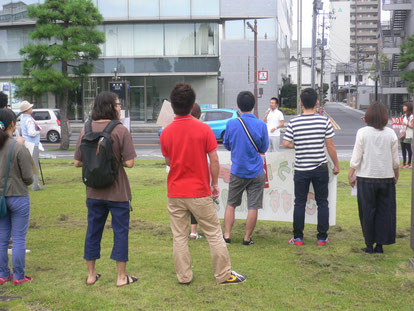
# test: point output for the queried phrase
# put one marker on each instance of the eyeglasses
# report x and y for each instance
(118, 104)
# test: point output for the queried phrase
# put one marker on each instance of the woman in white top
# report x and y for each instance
(376, 163)
(408, 130)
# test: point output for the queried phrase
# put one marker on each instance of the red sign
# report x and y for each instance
(263, 75)
(397, 123)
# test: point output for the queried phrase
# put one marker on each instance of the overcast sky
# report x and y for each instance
(307, 20)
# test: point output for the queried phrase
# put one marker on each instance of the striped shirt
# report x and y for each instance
(308, 133)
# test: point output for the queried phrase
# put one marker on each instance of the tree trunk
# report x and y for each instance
(64, 140)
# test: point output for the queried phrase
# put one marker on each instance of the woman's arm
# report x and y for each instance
(25, 162)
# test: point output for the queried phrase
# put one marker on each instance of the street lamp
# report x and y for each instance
(254, 30)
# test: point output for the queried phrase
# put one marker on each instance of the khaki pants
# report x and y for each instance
(204, 211)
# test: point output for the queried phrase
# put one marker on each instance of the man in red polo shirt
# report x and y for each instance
(185, 144)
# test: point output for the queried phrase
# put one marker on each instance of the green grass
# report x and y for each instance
(280, 277)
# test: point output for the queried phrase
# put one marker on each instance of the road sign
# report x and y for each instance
(263, 75)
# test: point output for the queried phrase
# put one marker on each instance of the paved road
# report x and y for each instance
(147, 145)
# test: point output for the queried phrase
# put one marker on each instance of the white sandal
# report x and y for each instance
(195, 236)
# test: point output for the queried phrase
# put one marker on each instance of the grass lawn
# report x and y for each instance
(280, 276)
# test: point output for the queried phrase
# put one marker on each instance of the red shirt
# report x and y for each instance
(186, 142)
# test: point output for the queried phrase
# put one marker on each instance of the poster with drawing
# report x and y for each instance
(278, 200)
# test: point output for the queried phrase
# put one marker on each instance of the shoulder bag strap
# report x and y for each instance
(88, 126)
(111, 125)
(8, 168)
(248, 134)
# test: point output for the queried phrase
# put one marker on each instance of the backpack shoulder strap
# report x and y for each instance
(248, 134)
(111, 125)
(88, 126)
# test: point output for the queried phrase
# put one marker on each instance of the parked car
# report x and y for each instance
(217, 119)
(49, 121)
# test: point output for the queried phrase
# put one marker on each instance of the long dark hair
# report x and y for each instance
(376, 116)
(7, 117)
(409, 106)
(104, 107)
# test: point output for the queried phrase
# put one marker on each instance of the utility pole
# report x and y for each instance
(322, 47)
(356, 56)
(299, 59)
(377, 69)
(314, 15)
(254, 29)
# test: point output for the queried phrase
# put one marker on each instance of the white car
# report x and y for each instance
(49, 121)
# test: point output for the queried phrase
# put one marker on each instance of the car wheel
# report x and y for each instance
(53, 136)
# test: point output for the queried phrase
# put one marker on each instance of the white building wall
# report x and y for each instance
(340, 32)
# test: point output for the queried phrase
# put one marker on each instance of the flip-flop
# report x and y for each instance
(96, 280)
(133, 278)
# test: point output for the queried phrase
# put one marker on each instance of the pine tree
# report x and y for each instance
(406, 57)
(64, 43)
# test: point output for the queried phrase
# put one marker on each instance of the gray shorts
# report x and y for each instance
(254, 188)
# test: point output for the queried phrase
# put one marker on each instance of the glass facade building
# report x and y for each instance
(152, 44)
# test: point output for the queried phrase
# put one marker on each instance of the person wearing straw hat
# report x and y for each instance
(31, 132)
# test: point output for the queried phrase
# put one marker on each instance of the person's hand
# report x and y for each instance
(272, 130)
(396, 179)
(352, 180)
(20, 139)
(215, 191)
(335, 170)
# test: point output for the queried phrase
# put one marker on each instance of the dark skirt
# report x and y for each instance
(377, 209)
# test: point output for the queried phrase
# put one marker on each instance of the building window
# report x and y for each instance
(347, 78)
(360, 78)
(148, 39)
(173, 8)
(118, 40)
(179, 39)
(205, 8)
(144, 8)
(234, 30)
(12, 40)
(113, 9)
(266, 29)
(206, 39)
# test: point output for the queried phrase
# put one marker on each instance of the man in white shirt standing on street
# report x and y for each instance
(275, 121)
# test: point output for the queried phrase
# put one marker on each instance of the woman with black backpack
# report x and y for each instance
(105, 141)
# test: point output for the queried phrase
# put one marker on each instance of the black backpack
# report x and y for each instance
(100, 168)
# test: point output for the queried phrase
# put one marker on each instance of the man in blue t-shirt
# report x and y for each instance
(247, 171)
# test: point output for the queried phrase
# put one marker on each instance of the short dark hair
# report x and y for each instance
(182, 99)
(275, 99)
(7, 117)
(196, 111)
(376, 116)
(309, 97)
(4, 100)
(245, 101)
(409, 106)
(104, 107)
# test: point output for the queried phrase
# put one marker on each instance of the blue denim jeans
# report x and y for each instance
(319, 178)
(98, 211)
(15, 224)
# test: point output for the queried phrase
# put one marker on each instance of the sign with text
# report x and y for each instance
(397, 123)
(278, 199)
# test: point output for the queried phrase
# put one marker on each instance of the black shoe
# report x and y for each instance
(228, 241)
(378, 249)
(248, 242)
(235, 278)
(368, 250)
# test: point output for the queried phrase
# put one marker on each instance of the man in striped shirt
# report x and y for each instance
(309, 133)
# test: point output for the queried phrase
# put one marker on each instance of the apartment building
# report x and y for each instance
(393, 33)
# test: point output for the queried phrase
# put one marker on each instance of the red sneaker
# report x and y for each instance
(3, 280)
(323, 242)
(24, 280)
(297, 241)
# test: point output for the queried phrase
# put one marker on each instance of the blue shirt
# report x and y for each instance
(246, 162)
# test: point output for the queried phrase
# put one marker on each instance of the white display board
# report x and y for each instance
(278, 200)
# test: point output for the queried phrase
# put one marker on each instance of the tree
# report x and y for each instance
(64, 44)
(406, 57)
(288, 94)
(384, 62)
(325, 90)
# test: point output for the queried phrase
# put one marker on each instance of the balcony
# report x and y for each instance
(390, 5)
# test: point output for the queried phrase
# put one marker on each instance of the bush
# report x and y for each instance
(288, 95)
(288, 111)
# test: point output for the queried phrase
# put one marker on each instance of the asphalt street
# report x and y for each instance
(347, 121)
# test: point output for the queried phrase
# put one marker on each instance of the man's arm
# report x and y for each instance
(129, 163)
(282, 123)
(288, 144)
(351, 177)
(78, 163)
(167, 161)
(330, 146)
(214, 171)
